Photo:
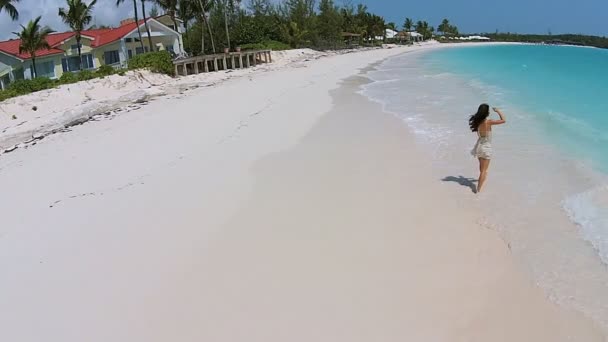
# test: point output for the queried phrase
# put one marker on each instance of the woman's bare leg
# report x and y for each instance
(483, 172)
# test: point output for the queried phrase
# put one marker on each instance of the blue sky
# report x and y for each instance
(471, 16)
(522, 16)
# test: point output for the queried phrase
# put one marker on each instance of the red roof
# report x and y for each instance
(11, 47)
(107, 36)
(100, 37)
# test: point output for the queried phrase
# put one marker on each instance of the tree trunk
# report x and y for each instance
(202, 35)
(226, 22)
(141, 42)
(143, 9)
(202, 4)
(188, 35)
(78, 39)
(210, 34)
(33, 71)
(181, 48)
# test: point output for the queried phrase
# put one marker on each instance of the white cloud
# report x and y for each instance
(104, 13)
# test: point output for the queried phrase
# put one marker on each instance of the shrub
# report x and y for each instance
(159, 62)
(85, 75)
(105, 70)
(7, 94)
(21, 87)
(276, 46)
(270, 44)
(68, 77)
(253, 46)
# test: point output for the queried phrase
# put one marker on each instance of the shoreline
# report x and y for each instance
(545, 241)
(261, 223)
(339, 247)
(103, 99)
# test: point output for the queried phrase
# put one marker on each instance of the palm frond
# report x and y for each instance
(9, 7)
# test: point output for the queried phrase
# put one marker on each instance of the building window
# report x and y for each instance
(139, 50)
(71, 63)
(111, 57)
(19, 74)
(5, 80)
(75, 47)
(45, 69)
(128, 40)
(130, 53)
(87, 61)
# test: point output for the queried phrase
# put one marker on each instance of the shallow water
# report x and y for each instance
(547, 192)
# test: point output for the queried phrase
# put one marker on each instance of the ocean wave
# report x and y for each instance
(578, 126)
(589, 211)
(492, 92)
(440, 75)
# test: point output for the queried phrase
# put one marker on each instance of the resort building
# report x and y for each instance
(108, 46)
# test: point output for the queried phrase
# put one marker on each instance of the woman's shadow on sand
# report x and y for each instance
(464, 181)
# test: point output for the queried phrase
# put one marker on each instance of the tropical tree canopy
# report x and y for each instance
(424, 29)
(447, 29)
(77, 16)
(9, 7)
(408, 25)
(153, 11)
(33, 38)
(135, 14)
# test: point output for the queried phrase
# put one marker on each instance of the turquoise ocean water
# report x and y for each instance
(564, 88)
(547, 191)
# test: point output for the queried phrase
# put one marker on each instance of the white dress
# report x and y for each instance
(483, 147)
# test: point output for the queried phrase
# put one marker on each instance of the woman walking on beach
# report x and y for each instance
(480, 123)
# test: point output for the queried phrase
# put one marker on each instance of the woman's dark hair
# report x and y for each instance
(476, 119)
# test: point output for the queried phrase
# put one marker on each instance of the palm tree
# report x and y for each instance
(9, 7)
(200, 8)
(424, 29)
(143, 10)
(226, 22)
(226, 9)
(33, 38)
(409, 24)
(170, 7)
(153, 11)
(205, 5)
(141, 42)
(77, 16)
(444, 27)
(184, 12)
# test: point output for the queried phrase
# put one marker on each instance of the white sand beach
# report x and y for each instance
(269, 204)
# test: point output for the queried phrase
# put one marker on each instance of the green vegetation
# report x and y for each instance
(159, 62)
(298, 23)
(572, 39)
(267, 45)
(446, 29)
(424, 29)
(408, 25)
(153, 11)
(215, 25)
(22, 87)
(9, 7)
(77, 16)
(33, 38)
